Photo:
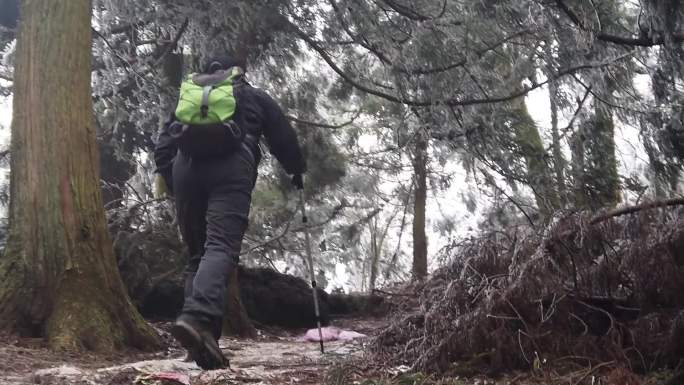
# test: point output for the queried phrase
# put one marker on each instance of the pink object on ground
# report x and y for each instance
(330, 333)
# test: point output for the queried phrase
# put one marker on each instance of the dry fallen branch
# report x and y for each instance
(634, 209)
(609, 293)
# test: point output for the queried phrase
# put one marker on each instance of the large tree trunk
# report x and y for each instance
(420, 161)
(58, 278)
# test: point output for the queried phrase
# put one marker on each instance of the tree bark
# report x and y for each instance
(378, 236)
(375, 253)
(595, 173)
(539, 174)
(236, 321)
(420, 162)
(604, 159)
(558, 158)
(58, 277)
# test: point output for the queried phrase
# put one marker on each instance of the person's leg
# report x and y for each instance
(190, 211)
(194, 332)
(226, 219)
(191, 208)
(229, 183)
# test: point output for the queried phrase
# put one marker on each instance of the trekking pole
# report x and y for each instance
(311, 268)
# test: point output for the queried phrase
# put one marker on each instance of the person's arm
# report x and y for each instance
(165, 150)
(281, 137)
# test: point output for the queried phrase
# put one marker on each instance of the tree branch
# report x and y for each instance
(358, 39)
(642, 41)
(603, 100)
(580, 106)
(270, 240)
(462, 62)
(122, 28)
(449, 102)
(174, 43)
(324, 125)
(276, 238)
(156, 61)
(634, 209)
(492, 182)
(412, 14)
(111, 48)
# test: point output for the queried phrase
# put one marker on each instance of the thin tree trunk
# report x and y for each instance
(558, 159)
(58, 277)
(420, 162)
(578, 166)
(375, 253)
(378, 237)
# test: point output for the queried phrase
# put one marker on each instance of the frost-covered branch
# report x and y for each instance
(641, 41)
(357, 83)
(411, 13)
(633, 209)
(155, 62)
(324, 125)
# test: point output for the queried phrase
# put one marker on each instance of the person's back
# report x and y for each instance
(213, 196)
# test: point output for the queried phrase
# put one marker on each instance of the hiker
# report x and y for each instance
(207, 157)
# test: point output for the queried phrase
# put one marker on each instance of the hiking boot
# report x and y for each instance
(198, 340)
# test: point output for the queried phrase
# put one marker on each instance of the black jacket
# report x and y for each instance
(258, 114)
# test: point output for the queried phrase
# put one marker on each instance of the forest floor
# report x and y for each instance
(274, 358)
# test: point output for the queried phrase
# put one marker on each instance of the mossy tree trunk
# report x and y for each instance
(559, 163)
(539, 174)
(595, 170)
(420, 163)
(58, 277)
(604, 159)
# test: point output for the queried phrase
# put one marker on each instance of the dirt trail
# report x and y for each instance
(272, 359)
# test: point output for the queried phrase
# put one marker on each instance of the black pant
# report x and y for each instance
(213, 199)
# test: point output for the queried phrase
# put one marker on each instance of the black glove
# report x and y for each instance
(298, 181)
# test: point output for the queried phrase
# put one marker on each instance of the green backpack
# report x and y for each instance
(204, 125)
